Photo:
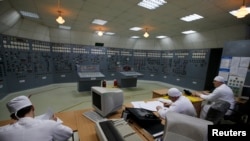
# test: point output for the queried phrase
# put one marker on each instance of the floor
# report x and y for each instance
(64, 97)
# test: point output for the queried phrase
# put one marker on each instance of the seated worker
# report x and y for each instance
(180, 104)
(221, 92)
(27, 128)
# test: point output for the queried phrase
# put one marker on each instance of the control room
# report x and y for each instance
(146, 70)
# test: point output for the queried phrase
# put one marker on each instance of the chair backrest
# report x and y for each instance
(217, 111)
(240, 113)
(181, 127)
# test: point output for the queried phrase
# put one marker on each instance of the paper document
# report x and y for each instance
(48, 115)
(137, 104)
(150, 105)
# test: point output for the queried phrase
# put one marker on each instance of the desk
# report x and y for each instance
(128, 79)
(68, 118)
(195, 100)
(159, 93)
(86, 128)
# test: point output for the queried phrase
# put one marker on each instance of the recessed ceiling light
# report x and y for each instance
(191, 17)
(29, 14)
(188, 32)
(233, 12)
(135, 37)
(135, 28)
(109, 33)
(99, 22)
(161, 37)
(64, 27)
(151, 4)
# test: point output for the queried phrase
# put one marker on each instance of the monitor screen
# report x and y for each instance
(106, 101)
(245, 93)
(97, 100)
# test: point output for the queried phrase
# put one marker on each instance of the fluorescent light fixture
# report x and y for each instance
(135, 28)
(29, 14)
(188, 32)
(191, 17)
(64, 27)
(161, 37)
(99, 22)
(135, 37)
(151, 4)
(109, 33)
(240, 13)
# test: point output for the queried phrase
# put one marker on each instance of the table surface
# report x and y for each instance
(87, 131)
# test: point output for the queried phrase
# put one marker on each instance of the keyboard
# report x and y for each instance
(111, 133)
(116, 129)
(93, 116)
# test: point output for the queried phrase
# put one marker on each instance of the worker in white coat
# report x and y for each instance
(28, 128)
(221, 92)
(180, 104)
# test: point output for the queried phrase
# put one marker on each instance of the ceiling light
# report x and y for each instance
(109, 33)
(135, 28)
(242, 12)
(99, 22)
(191, 17)
(188, 32)
(135, 37)
(151, 4)
(60, 19)
(29, 14)
(161, 37)
(99, 33)
(64, 27)
(146, 35)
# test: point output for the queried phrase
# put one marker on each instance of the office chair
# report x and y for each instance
(240, 113)
(217, 111)
(181, 127)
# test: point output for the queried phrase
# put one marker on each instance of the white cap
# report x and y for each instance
(219, 79)
(173, 92)
(18, 103)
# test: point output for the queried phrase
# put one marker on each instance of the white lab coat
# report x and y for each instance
(182, 105)
(223, 92)
(30, 129)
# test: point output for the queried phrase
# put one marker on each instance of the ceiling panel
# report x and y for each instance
(124, 14)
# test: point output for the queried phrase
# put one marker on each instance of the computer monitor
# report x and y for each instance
(106, 101)
(245, 92)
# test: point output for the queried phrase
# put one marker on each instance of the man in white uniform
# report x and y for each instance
(180, 104)
(27, 128)
(221, 92)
